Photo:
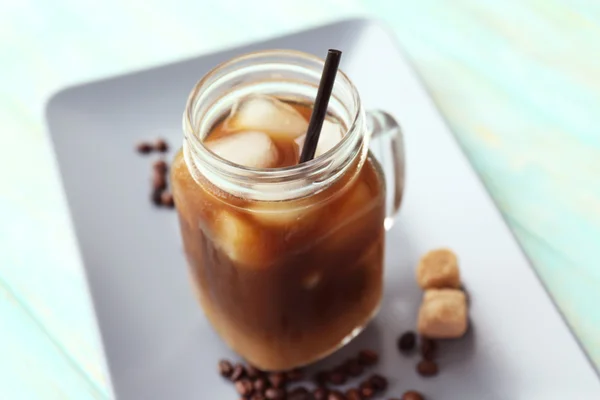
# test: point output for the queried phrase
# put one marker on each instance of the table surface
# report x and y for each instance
(518, 82)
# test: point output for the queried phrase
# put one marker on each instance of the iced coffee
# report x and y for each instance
(284, 283)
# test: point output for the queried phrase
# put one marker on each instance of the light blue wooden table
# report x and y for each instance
(518, 81)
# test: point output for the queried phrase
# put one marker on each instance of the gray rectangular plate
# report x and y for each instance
(159, 345)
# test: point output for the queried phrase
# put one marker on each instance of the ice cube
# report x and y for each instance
(249, 148)
(349, 219)
(267, 114)
(356, 202)
(331, 134)
(241, 241)
(280, 213)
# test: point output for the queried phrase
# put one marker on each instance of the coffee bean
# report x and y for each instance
(365, 384)
(335, 395)
(144, 148)
(166, 199)
(412, 395)
(353, 394)
(353, 367)
(225, 368)
(407, 342)
(427, 368)
(160, 167)
(366, 390)
(260, 385)
(321, 378)
(428, 348)
(159, 181)
(337, 378)
(238, 372)
(277, 379)
(378, 382)
(251, 371)
(156, 197)
(244, 387)
(321, 393)
(161, 145)
(300, 393)
(368, 357)
(341, 369)
(257, 396)
(275, 393)
(295, 375)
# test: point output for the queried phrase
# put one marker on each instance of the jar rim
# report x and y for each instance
(231, 170)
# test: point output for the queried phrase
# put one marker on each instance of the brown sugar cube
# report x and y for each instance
(443, 314)
(438, 269)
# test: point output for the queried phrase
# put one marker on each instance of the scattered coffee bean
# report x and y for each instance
(244, 387)
(378, 382)
(260, 385)
(427, 368)
(156, 197)
(251, 371)
(159, 181)
(257, 396)
(368, 358)
(335, 395)
(366, 390)
(340, 369)
(353, 367)
(295, 375)
(159, 177)
(337, 377)
(321, 393)
(275, 394)
(428, 348)
(412, 395)
(144, 148)
(365, 384)
(161, 145)
(166, 199)
(299, 390)
(277, 379)
(299, 393)
(353, 394)
(225, 368)
(407, 342)
(238, 372)
(321, 378)
(160, 166)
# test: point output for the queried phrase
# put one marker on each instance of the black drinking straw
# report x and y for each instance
(317, 117)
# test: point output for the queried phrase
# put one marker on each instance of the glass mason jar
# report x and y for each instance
(287, 263)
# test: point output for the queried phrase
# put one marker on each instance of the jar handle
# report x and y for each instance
(387, 144)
